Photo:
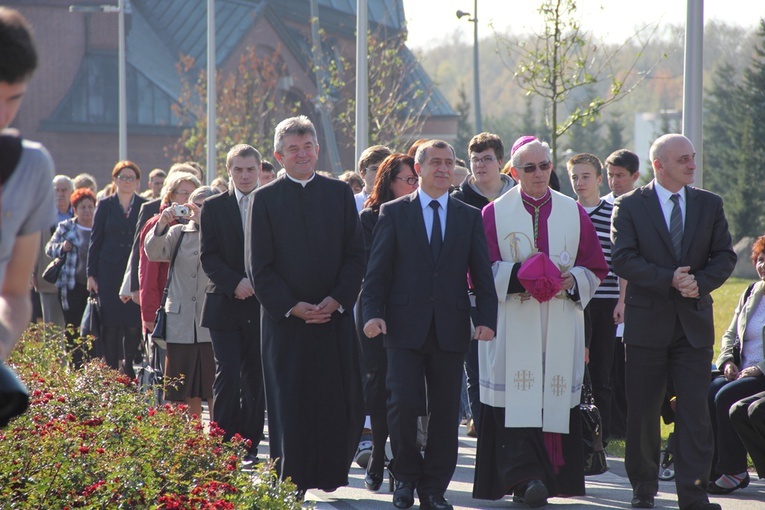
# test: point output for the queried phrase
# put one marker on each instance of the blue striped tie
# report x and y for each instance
(676, 226)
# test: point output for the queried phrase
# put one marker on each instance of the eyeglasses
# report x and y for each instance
(126, 178)
(483, 161)
(371, 169)
(182, 193)
(531, 167)
(409, 180)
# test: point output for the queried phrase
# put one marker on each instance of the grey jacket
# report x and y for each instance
(187, 287)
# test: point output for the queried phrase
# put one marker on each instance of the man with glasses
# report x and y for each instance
(530, 437)
(368, 162)
(482, 186)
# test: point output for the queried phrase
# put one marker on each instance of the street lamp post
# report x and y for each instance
(121, 70)
(476, 80)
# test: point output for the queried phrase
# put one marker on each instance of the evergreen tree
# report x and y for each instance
(464, 127)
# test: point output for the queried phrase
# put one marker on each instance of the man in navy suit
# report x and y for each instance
(671, 242)
(415, 293)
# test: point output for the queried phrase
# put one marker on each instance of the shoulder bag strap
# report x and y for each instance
(170, 271)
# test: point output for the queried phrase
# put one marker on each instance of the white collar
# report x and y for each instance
(665, 195)
(425, 199)
(299, 181)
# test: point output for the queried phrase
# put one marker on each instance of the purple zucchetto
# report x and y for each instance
(521, 142)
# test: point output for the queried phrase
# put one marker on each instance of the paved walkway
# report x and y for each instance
(609, 490)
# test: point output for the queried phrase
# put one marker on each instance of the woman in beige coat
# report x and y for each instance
(189, 350)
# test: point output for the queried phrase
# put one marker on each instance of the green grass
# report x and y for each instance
(726, 299)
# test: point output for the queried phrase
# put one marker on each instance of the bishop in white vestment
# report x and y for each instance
(530, 436)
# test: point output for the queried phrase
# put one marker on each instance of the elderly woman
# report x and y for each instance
(742, 362)
(189, 351)
(72, 239)
(395, 178)
(152, 276)
(114, 228)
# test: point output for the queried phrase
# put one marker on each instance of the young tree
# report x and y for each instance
(249, 105)
(564, 58)
(397, 102)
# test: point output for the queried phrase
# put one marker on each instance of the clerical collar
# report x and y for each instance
(535, 201)
(299, 181)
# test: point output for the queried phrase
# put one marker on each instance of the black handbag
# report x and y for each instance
(91, 317)
(595, 462)
(53, 270)
(159, 334)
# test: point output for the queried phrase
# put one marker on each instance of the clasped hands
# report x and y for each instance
(375, 327)
(685, 282)
(731, 371)
(315, 314)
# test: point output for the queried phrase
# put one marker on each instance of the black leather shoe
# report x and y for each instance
(434, 502)
(702, 505)
(642, 502)
(713, 488)
(536, 494)
(403, 496)
(373, 481)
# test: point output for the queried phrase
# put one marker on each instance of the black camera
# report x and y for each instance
(14, 398)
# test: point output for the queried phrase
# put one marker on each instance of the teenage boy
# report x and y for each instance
(586, 174)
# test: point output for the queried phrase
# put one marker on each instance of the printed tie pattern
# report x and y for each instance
(676, 226)
(436, 239)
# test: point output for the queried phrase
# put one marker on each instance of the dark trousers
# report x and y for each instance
(120, 346)
(442, 372)
(77, 298)
(472, 375)
(647, 371)
(730, 452)
(602, 343)
(618, 393)
(238, 398)
(748, 418)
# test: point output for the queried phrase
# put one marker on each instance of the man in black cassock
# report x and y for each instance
(306, 263)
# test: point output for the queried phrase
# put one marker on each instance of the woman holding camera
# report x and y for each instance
(189, 350)
(152, 275)
(71, 240)
(111, 239)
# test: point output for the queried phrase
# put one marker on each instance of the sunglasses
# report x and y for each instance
(531, 167)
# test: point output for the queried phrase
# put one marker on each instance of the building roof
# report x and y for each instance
(160, 31)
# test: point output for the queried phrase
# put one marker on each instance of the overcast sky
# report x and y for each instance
(433, 21)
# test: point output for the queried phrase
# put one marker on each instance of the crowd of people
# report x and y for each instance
(362, 309)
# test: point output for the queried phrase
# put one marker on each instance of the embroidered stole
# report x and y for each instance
(537, 382)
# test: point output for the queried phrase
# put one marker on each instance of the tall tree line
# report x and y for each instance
(734, 141)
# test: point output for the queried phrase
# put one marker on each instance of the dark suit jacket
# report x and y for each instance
(643, 255)
(407, 288)
(148, 210)
(222, 256)
(108, 253)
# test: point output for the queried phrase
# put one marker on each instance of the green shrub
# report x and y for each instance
(90, 440)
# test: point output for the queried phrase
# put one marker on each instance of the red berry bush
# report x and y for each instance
(91, 439)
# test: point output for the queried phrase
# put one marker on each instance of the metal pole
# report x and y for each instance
(323, 105)
(362, 85)
(122, 86)
(476, 80)
(212, 170)
(693, 83)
